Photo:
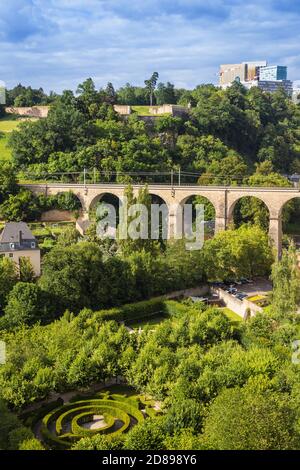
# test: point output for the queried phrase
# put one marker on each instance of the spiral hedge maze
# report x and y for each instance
(106, 414)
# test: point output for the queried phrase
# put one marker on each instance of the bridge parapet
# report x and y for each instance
(223, 199)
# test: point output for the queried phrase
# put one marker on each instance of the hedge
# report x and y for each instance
(85, 417)
(72, 412)
(143, 309)
(174, 308)
(133, 311)
(90, 409)
(111, 413)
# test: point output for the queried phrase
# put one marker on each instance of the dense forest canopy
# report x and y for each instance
(236, 136)
(222, 384)
(226, 133)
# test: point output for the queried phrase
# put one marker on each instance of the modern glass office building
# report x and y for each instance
(273, 73)
(273, 85)
(267, 77)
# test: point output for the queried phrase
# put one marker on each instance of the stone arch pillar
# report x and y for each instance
(175, 220)
(275, 233)
(172, 223)
(221, 215)
(82, 196)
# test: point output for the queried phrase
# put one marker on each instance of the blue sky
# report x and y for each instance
(56, 44)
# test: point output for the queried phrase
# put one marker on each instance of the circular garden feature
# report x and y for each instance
(109, 414)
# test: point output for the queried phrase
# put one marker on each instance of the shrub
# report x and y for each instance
(78, 412)
(134, 311)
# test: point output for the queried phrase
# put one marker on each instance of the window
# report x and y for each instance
(32, 244)
(12, 246)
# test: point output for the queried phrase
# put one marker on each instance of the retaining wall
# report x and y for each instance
(240, 307)
(55, 215)
(33, 111)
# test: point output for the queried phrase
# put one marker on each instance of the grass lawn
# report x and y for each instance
(141, 110)
(40, 229)
(5, 152)
(257, 298)
(144, 111)
(7, 125)
(231, 315)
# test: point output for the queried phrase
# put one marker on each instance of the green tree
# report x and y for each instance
(132, 95)
(142, 154)
(165, 93)
(251, 209)
(149, 435)
(111, 95)
(169, 126)
(87, 94)
(99, 442)
(8, 183)
(141, 221)
(22, 206)
(210, 156)
(286, 283)
(8, 278)
(151, 85)
(75, 275)
(25, 305)
(241, 419)
(66, 129)
(31, 444)
(26, 271)
(236, 253)
(69, 236)
(188, 413)
(183, 439)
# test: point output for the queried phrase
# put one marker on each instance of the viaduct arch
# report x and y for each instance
(222, 198)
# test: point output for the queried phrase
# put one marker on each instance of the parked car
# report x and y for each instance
(241, 295)
(232, 290)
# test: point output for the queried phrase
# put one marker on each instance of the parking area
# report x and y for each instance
(258, 287)
(245, 288)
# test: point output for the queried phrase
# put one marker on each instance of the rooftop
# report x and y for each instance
(15, 232)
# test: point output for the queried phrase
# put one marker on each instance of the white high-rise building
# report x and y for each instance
(257, 73)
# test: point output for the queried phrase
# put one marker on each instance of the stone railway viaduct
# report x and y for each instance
(223, 199)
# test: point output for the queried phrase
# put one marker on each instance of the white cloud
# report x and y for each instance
(64, 41)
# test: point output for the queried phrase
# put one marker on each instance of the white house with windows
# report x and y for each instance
(17, 241)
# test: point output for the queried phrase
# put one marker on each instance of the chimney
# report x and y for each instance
(20, 237)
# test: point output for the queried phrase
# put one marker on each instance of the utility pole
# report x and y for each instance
(179, 176)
